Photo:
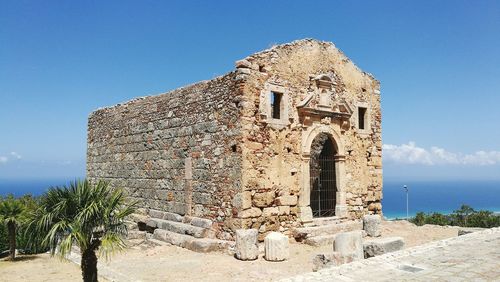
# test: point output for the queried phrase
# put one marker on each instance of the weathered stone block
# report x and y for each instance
(201, 222)
(243, 64)
(270, 211)
(251, 212)
(284, 210)
(375, 247)
(349, 243)
(323, 261)
(243, 200)
(372, 225)
(246, 244)
(156, 214)
(276, 247)
(264, 199)
(286, 201)
(172, 216)
(375, 207)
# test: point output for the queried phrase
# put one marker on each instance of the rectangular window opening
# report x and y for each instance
(361, 118)
(276, 105)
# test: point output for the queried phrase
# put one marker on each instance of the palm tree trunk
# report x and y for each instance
(11, 226)
(89, 266)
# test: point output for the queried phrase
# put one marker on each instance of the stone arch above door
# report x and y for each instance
(308, 136)
(313, 131)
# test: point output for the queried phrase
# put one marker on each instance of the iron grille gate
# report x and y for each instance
(323, 187)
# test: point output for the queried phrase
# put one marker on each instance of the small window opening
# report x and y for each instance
(276, 105)
(361, 118)
(261, 68)
(233, 148)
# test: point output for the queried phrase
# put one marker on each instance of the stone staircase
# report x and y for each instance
(188, 232)
(322, 231)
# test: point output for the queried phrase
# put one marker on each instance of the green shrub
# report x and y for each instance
(466, 216)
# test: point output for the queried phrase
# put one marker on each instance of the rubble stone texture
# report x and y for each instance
(276, 247)
(348, 243)
(372, 225)
(246, 244)
(379, 246)
(224, 150)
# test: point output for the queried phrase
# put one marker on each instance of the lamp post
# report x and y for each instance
(406, 189)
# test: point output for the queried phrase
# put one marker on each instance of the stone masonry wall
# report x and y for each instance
(273, 162)
(213, 150)
(177, 152)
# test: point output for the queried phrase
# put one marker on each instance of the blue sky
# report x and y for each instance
(438, 62)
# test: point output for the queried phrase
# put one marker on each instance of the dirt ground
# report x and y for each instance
(171, 263)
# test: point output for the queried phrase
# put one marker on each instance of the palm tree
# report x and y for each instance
(91, 216)
(12, 214)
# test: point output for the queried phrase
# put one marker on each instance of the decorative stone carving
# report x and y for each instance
(276, 247)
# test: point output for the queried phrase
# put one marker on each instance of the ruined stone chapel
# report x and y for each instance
(291, 138)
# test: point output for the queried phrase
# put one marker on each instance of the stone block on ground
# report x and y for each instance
(246, 244)
(322, 240)
(323, 261)
(276, 247)
(348, 243)
(205, 245)
(372, 225)
(379, 246)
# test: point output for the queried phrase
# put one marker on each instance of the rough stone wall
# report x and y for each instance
(272, 154)
(177, 152)
(213, 150)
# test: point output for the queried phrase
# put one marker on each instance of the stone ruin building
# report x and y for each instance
(289, 141)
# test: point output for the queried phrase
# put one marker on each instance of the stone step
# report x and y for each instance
(166, 215)
(181, 228)
(330, 229)
(325, 221)
(198, 221)
(201, 245)
(192, 220)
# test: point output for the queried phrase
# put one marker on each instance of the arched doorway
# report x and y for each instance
(322, 175)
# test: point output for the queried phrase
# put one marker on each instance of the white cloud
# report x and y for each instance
(15, 155)
(11, 155)
(412, 154)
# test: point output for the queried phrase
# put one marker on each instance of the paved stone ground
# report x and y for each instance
(472, 257)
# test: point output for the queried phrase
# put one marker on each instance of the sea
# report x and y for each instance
(423, 196)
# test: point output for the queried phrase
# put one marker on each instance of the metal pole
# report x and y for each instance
(406, 189)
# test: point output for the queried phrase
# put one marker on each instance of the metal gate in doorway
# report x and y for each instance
(323, 185)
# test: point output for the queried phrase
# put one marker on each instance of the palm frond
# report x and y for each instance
(86, 214)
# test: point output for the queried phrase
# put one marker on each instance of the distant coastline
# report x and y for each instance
(439, 196)
(424, 196)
